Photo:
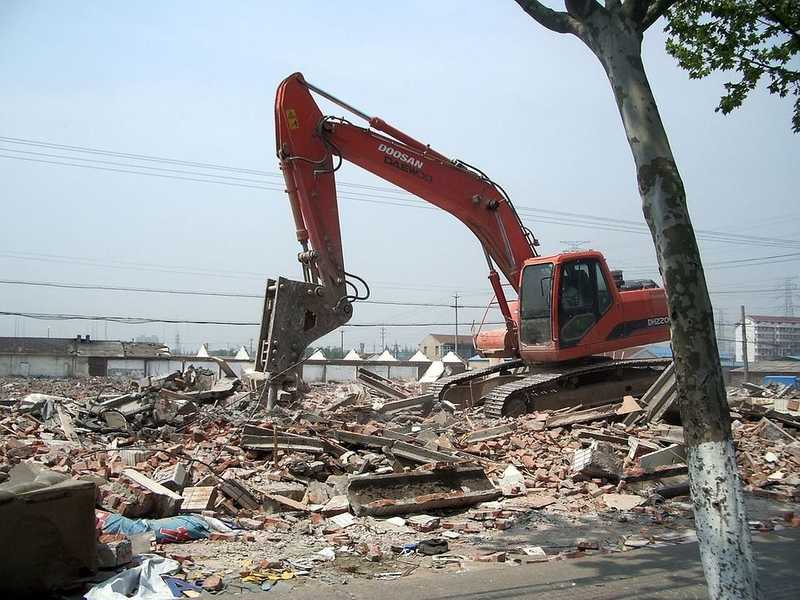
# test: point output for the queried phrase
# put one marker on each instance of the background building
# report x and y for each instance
(84, 357)
(768, 338)
(436, 345)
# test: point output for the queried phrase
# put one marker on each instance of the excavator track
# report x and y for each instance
(441, 386)
(516, 397)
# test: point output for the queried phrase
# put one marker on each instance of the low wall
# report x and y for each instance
(26, 365)
(343, 371)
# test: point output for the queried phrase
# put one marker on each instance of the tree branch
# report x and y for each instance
(635, 10)
(766, 66)
(781, 21)
(560, 22)
(657, 9)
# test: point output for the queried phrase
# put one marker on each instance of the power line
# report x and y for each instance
(172, 161)
(117, 264)
(99, 287)
(542, 215)
(581, 221)
(148, 320)
(223, 294)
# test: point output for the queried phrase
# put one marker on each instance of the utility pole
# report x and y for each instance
(341, 338)
(383, 339)
(455, 305)
(788, 301)
(744, 348)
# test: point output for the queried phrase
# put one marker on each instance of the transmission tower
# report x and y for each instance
(574, 245)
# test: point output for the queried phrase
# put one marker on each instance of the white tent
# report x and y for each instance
(318, 355)
(384, 356)
(242, 354)
(451, 357)
(203, 352)
(420, 358)
(352, 355)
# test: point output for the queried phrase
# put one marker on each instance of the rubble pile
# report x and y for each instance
(767, 432)
(370, 479)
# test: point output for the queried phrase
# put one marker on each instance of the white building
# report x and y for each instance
(768, 338)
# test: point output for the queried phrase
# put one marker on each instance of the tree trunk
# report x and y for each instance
(716, 489)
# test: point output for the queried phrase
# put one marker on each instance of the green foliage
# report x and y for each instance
(758, 39)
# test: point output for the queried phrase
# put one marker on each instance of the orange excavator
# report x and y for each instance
(570, 310)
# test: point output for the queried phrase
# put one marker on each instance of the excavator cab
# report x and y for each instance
(572, 303)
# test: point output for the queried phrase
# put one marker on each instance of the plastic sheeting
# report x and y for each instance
(138, 583)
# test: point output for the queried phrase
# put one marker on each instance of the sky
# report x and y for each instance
(480, 81)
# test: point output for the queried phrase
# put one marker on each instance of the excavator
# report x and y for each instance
(570, 313)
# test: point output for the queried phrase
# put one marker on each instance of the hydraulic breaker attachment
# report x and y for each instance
(295, 315)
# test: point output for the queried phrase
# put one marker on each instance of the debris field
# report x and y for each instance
(375, 481)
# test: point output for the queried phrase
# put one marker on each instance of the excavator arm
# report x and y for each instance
(310, 148)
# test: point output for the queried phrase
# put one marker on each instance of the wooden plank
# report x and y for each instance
(198, 499)
(621, 440)
(287, 502)
(147, 483)
(666, 374)
(584, 416)
(405, 403)
(491, 433)
(661, 395)
(239, 494)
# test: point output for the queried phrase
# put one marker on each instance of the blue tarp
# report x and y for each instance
(782, 380)
(170, 529)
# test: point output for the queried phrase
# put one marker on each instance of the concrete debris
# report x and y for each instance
(512, 482)
(419, 491)
(674, 454)
(432, 373)
(598, 460)
(380, 385)
(362, 480)
(114, 553)
(423, 402)
(173, 477)
(623, 501)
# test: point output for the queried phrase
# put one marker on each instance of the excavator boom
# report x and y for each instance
(309, 147)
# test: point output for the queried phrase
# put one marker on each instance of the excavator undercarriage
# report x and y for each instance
(513, 388)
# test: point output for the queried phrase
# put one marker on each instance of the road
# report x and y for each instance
(670, 572)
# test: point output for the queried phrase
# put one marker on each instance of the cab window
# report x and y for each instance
(584, 297)
(535, 304)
